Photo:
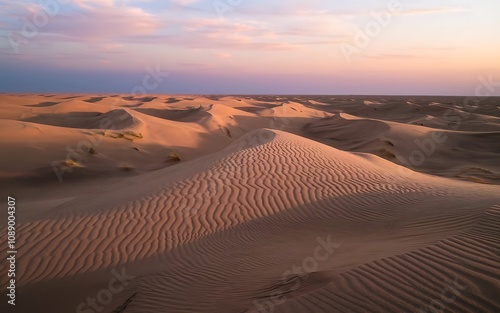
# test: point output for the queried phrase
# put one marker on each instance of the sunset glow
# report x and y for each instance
(206, 46)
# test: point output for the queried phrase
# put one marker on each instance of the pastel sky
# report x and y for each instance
(438, 47)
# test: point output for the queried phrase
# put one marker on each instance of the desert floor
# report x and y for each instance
(179, 203)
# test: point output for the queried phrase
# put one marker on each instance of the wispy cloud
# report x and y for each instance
(438, 10)
(103, 21)
(184, 2)
(222, 55)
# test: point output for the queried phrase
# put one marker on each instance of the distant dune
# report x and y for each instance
(252, 204)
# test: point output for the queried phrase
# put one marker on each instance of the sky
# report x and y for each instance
(390, 47)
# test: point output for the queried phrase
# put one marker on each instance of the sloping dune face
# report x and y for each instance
(119, 119)
(245, 218)
(435, 151)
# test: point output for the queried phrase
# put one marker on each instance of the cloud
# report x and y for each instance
(101, 21)
(184, 2)
(106, 27)
(222, 55)
(211, 41)
(90, 4)
(423, 11)
(95, 23)
(390, 56)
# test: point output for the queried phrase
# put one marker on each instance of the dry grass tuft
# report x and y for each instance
(174, 156)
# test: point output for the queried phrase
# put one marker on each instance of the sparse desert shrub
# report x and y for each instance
(92, 151)
(173, 156)
(133, 135)
(129, 135)
(69, 163)
(126, 167)
(226, 131)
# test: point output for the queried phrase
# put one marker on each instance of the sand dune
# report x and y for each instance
(115, 119)
(450, 153)
(216, 211)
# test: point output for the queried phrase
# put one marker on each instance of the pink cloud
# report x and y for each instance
(100, 24)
